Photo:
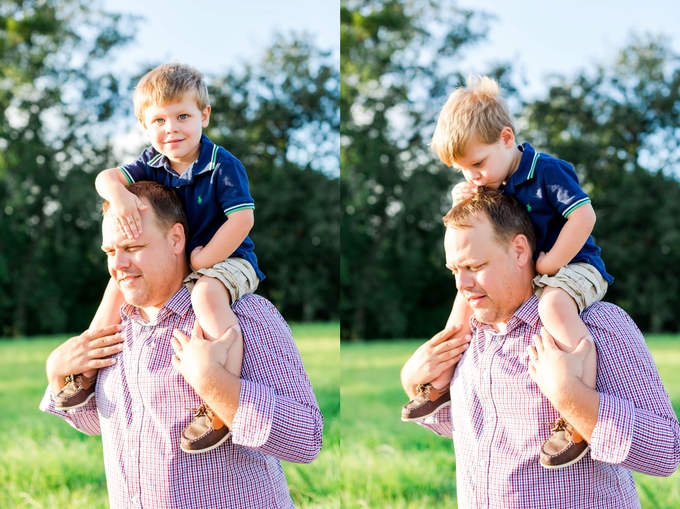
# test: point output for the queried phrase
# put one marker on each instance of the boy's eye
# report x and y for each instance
(158, 121)
(183, 116)
(478, 164)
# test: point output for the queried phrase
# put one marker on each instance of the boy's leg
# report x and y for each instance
(108, 312)
(80, 387)
(559, 314)
(435, 395)
(212, 304)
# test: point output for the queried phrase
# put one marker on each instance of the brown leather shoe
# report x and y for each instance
(76, 393)
(205, 432)
(564, 447)
(428, 401)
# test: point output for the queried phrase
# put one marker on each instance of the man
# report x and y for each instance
(152, 372)
(505, 390)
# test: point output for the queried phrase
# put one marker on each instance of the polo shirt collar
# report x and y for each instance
(206, 161)
(526, 169)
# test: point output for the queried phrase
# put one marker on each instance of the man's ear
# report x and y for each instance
(521, 250)
(507, 137)
(177, 238)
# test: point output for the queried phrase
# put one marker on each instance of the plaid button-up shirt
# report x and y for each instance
(497, 412)
(140, 409)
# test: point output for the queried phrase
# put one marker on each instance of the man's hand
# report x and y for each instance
(553, 370)
(88, 351)
(463, 191)
(125, 208)
(196, 358)
(434, 356)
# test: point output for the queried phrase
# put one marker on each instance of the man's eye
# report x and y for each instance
(183, 116)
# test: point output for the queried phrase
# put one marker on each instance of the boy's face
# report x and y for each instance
(490, 165)
(175, 130)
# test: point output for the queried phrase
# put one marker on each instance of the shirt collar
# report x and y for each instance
(526, 168)
(206, 161)
(527, 313)
(179, 304)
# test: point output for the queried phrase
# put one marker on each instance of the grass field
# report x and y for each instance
(387, 464)
(46, 464)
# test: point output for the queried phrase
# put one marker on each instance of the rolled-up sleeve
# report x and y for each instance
(439, 422)
(278, 413)
(636, 426)
(85, 419)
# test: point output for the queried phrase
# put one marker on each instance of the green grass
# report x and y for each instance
(44, 463)
(386, 463)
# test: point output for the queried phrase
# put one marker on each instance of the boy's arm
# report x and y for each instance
(573, 236)
(112, 185)
(225, 241)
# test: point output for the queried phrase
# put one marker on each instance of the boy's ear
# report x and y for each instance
(507, 137)
(205, 116)
(141, 121)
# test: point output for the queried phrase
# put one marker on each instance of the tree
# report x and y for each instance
(620, 128)
(54, 92)
(281, 119)
(398, 63)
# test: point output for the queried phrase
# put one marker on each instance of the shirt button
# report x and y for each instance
(485, 373)
(481, 463)
(132, 452)
(134, 500)
(490, 418)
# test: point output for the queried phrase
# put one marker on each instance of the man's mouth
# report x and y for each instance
(474, 300)
(127, 278)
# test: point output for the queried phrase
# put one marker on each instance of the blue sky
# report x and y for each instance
(215, 35)
(545, 36)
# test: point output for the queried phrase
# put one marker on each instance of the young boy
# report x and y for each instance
(172, 104)
(475, 133)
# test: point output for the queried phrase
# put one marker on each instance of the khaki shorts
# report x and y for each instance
(582, 281)
(236, 274)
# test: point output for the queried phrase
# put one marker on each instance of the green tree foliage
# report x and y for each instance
(53, 94)
(399, 60)
(620, 128)
(281, 119)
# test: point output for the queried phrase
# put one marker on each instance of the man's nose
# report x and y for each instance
(119, 260)
(464, 280)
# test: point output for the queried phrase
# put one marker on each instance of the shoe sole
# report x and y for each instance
(199, 451)
(75, 406)
(575, 460)
(422, 417)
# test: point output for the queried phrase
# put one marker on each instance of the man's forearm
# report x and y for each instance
(220, 390)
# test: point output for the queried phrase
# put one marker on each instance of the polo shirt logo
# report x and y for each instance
(200, 200)
(528, 207)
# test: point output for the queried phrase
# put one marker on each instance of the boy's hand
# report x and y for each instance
(126, 208)
(463, 191)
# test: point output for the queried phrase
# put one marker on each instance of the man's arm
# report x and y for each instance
(629, 421)
(271, 408)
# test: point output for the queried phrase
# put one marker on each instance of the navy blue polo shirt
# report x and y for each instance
(549, 189)
(213, 187)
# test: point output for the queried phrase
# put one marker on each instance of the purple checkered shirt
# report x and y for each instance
(497, 412)
(141, 404)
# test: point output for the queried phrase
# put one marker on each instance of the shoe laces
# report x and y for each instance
(424, 389)
(75, 380)
(562, 425)
(201, 411)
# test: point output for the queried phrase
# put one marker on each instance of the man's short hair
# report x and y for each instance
(167, 84)
(506, 215)
(477, 109)
(165, 203)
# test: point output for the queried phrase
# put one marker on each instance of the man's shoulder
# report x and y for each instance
(605, 315)
(258, 309)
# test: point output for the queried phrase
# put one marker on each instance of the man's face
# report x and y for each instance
(175, 130)
(490, 165)
(145, 268)
(488, 274)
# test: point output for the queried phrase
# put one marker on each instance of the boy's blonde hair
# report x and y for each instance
(477, 109)
(169, 83)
